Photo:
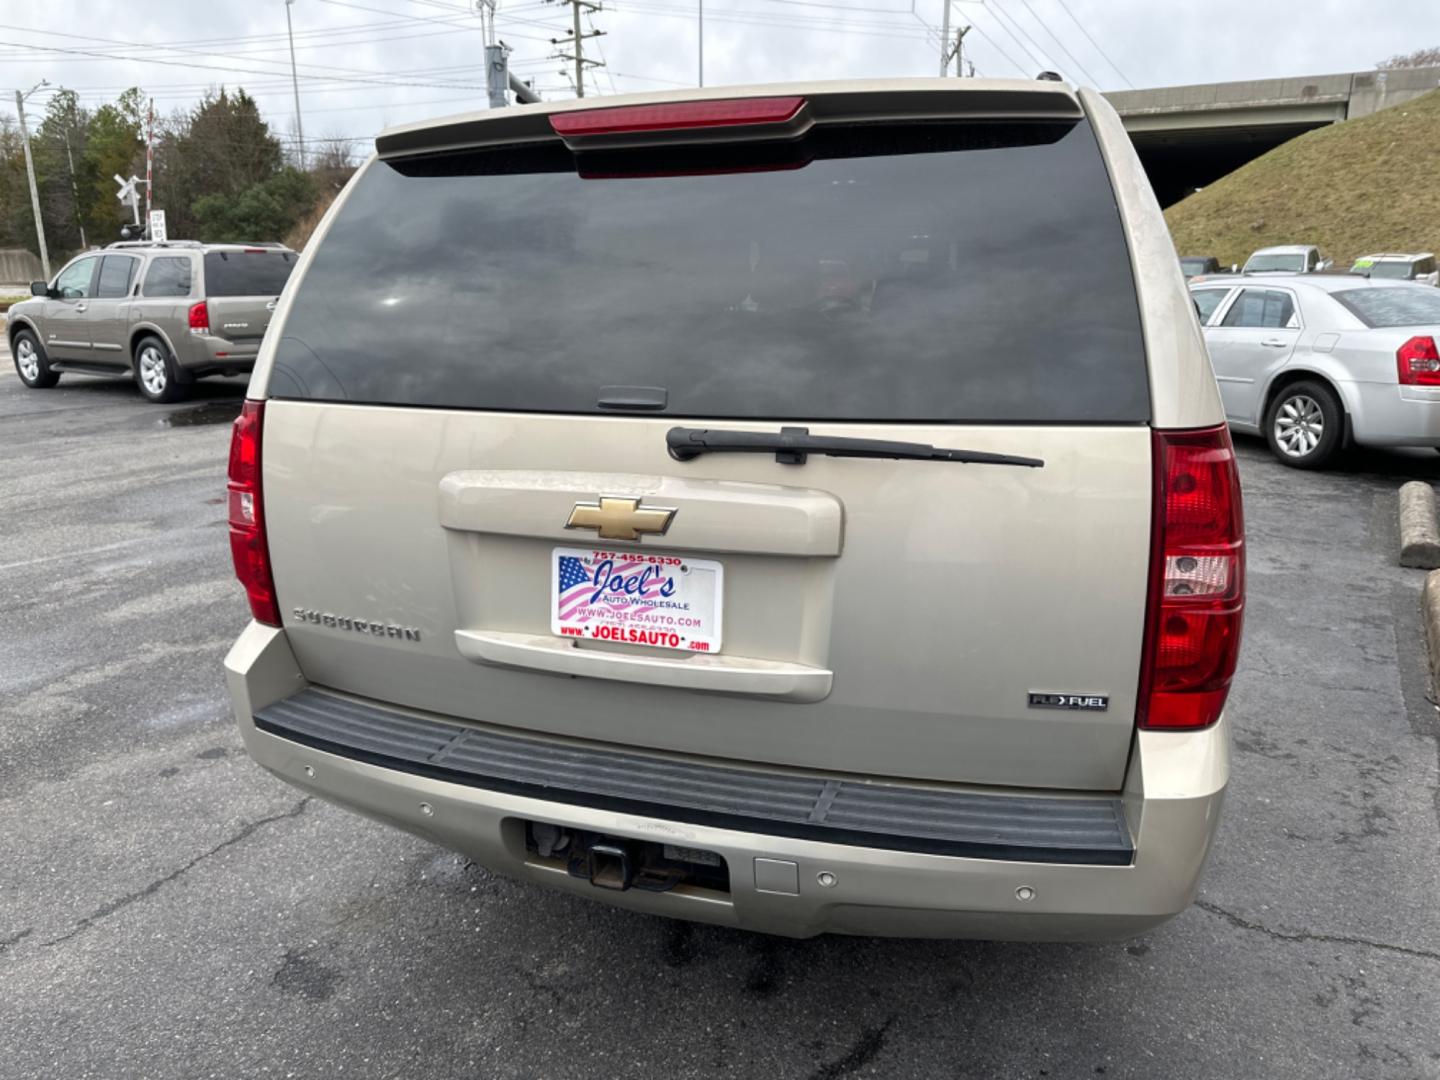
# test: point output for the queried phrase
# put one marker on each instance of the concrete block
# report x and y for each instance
(1419, 532)
(1430, 616)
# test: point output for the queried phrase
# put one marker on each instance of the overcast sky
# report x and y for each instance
(365, 64)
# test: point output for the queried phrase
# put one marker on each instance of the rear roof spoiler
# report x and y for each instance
(826, 102)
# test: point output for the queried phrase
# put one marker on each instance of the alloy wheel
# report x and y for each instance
(1299, 425)
(153, 373)
(27, 359)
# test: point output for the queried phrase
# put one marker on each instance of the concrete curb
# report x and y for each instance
(1419, 533)
(1430, 616)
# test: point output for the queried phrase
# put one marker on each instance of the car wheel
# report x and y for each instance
(31, 363)
(1303, 425)
(155, 372)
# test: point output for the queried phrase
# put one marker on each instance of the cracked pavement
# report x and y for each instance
(167, 909)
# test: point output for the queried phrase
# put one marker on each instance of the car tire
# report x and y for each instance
(1304, 425)
(31, 363)
(155, 372)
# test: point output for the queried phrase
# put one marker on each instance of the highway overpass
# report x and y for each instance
(1189, 136)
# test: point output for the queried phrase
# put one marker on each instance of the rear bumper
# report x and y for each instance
(202, 354)
(1168, 814)
(1390, 415)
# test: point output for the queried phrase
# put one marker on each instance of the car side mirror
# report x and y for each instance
(39, 288)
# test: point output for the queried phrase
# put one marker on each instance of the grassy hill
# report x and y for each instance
(1366, 185)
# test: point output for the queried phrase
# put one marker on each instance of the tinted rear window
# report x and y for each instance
(1260, 264)
(168, 276)
(1400, 270)
(116, 274)
(1401, 305)
(247, 273)
(940, 272)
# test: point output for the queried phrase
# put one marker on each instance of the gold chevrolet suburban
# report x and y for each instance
(805, 508)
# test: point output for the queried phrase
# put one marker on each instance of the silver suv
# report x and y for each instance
(710, 503)
(1287, 259)
(165, 314)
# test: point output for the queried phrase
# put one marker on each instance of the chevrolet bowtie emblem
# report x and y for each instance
(620, 519)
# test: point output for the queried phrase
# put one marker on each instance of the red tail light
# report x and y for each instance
(1418, 362)
(677, 116)
(1197, 581)
(248, 546)
(199, 318)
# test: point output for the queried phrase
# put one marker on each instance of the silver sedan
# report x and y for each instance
(1316, 362)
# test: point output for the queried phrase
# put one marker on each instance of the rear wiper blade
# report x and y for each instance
(792, 445)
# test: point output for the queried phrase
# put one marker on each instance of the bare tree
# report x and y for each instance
(1419, 58)
(332, 153)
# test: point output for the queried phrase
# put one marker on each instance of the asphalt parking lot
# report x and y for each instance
(169, 910)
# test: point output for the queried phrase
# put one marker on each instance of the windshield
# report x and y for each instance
(1391, 269)
(884, 273)
(1399, 305)
(252, 272)
(1191, 267)
(1290, 264)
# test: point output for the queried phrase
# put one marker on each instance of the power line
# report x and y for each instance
(993, 44)
(651, 78)
(1064, 7)
(576, 39)
(845, 7)
(600, 48)
(173, 63)
(313, 39)
(1037, 54)
(244, 71)
(793, 22)
(1091, 78)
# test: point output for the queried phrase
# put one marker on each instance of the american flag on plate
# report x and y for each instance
(577, 582)
(572, 573)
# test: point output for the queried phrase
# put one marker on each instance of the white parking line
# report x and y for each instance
(75, 554)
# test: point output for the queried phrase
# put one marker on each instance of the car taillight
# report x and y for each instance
(248, 546)
(1418, 362)
(677, 116)
(199, 318)
(1197, 581)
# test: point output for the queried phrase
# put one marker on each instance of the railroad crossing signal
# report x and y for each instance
(128, 193)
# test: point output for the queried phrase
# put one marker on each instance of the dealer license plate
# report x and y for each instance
(661, 601)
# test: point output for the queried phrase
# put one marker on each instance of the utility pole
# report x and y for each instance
(945, 41)
(30, 169)
(497, 57)
(75, 193)
(702, 40)
(150, 158)
(960, 52)
(576, 40)
(295, 83)
(949, 51)
(497, 72)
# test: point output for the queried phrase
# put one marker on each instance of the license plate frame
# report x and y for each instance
(651, 600)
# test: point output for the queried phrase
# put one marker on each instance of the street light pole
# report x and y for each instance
(295, 82)
(701, 13)
(30, 169)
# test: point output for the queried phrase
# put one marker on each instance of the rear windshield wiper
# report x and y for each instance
(792, 445)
